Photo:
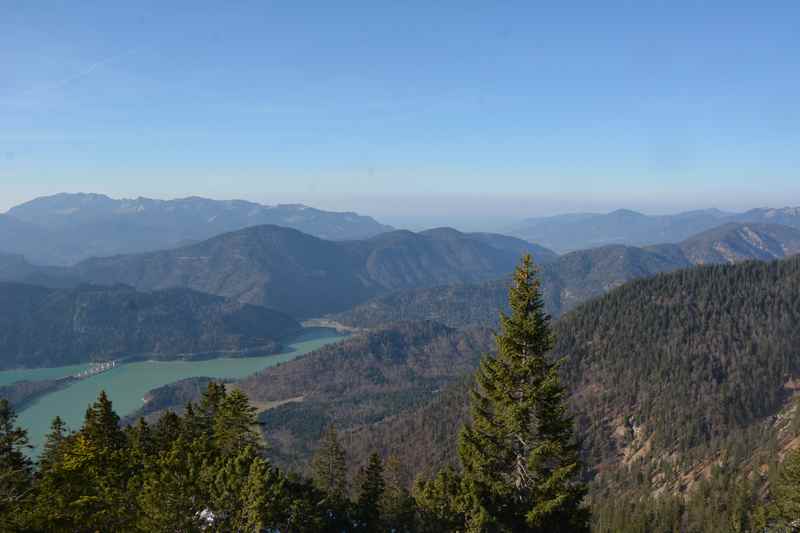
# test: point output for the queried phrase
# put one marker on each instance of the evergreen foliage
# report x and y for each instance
(329, 476)
(786, 492)
(203, 471)
(439, 502)
(329, 467)
(370, 495)
(396, 505)
(520, 459)
(16, 470)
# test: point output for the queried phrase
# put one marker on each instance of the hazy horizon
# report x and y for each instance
(467, 212)
(382, 107)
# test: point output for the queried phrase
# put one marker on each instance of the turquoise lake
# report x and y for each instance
(127, 384)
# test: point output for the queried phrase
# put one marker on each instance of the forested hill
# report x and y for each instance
(687, 356)
(578, 276)
(304, 276)
(495, 240)
(668, 375)
(457, 306)
(361, 381)
(54, 327)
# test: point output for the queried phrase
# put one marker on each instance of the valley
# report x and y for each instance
(381, 337)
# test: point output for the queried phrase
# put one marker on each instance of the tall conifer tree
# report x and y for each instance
(53, 443)
(370, 494)
(16, 469)
(397, 506)
(235, 424)
(329, 467)
(521, 463)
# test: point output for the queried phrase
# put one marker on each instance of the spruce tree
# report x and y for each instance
(235, 424)
(265, 498)
(167, 429)
(227, 481)
(438, 502)
(16, 470)
(396, 505)
(92, 484)
(520, 462)
(370, 494)
(173, 491)
(329, 476)
(101, 425)
(210, 403)
(53, 443)
(140, 438)
(329, 467)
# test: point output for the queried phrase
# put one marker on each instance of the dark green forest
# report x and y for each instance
(683, 387)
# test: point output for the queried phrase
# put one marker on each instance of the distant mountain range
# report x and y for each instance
(578, 276)
(569, 232)
(304, 276)
(54, 327)
(66, 228)
(296, 273)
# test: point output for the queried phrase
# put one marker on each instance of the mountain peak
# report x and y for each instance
(444, 232)
(626, 213)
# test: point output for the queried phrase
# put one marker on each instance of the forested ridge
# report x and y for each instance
(697, 352)
(52, 327)
(669, 376)
(576, 277)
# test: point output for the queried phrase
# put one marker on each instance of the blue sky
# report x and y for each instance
(393, 108)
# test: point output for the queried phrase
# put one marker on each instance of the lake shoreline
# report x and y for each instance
(129, 382)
